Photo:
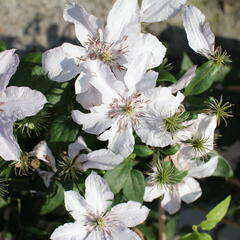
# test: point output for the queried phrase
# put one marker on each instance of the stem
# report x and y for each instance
(162, 219)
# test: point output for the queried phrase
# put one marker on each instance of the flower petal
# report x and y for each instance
(123, 21)
(121, 232)
(75, 148)
(42, 152)
(189, 190)
(200, 169)
(184, 80)
(130, 214)
(160, 10)
(147, 44)
(62, 63)
(20, 102)
(9, 63)
(46, 176)
(103, 159)
(10, 149)
(152, 191)
(95, 122)
(69, 231)
(86, 25)
(76, 205)
(200, 37)
(171, 201)
(98, 194)
(120, 140)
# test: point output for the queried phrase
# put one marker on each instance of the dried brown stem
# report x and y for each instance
(162, 219)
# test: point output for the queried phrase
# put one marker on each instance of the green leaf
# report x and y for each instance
(2, 46)
(148, 231)
(54, 198)
(196, 236)
(117, 177)
(35, 58)
(166, 77)
(143, 151)
(186, 63)
(205, 76)
(63, 130)
(134, 186)
(171, 227)
(223, 168)
(215, 215)
(171, 150)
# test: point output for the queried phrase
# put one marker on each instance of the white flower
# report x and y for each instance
(43, 153)
(127, 105)
(160, 10)
(201, 141)
(93, 217)
(83, 158)
(116, 45)
(188, 190)
(16, 103)
(200, 37)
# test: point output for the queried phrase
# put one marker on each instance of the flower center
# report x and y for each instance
(174, 122)
(127, 109)
(106, 56)
(100, 223)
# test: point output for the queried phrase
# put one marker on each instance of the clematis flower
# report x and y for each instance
(200, 36)
(162, 182)
(116, 45)
(127, 105)
(16, 103)
(43, 153)
(160, 10)
(94, 219)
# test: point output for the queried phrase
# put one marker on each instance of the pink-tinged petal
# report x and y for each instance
(152, 191)
(200, 169)
(98, 194)
(10, 149)
(147, 44)
(120, 140)
(75, 148)
(200, 37)
(42, 152)
(130, 214)
(69, 231)
(95, 122)
(17, 103)
(86, 25)
(160, 10)
(189, 190)
(76, 205)
(46, 176)
(184, 81)
(8, 66)
(103, 159)
(171, 201)
(123, 21)
(63, 63)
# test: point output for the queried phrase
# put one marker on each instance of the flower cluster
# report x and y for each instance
(122, 102)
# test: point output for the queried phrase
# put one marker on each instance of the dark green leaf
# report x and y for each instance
(63, 129)
(117, 177)
(166, 77)
(54, 198)
(215, 215)
(186, 64)
(143, 151)
(171, 227)
(205, 76)
(171, 150)
(134, 186)
(148, 232)
(2, 46)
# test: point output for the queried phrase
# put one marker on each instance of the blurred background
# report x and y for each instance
(36, 25)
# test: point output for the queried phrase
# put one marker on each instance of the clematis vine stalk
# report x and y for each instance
(94, 217)
(16, 103)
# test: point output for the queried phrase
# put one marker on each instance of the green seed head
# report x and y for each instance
(174, 123)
